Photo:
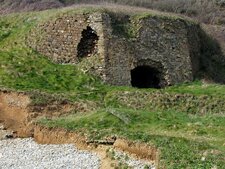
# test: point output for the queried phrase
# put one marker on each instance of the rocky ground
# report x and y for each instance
(126, 161)
(26, 154)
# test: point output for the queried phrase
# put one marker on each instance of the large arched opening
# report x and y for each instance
(88, 43)
(145, 77)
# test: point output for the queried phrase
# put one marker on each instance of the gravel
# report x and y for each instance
(26, 154)
(133, 163)
(123, 158)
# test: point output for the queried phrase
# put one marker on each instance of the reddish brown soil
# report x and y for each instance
(139, 150)
(13, 110)
(17, 114)
(44, 135)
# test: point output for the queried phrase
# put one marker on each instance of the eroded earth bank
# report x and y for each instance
(25, 144)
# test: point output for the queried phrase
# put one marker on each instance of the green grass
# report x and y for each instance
(182, 138)
(24, 69)
(198, 88)
(186, 122)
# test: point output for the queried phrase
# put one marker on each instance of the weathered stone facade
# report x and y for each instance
(160, 43)
(161, 50)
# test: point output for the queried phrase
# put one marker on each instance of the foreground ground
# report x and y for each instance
(25, 153)
(185, 123)
(46, 153)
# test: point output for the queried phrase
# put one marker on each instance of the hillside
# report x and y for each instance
(185, 123)
(9, 6)
(207, 11)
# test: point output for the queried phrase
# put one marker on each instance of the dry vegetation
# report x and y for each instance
(210, 12)
(9, 6)
(207, 11)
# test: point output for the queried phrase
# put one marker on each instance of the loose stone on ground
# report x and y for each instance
(26, 154)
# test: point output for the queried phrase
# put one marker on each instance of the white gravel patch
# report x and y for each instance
(123, 158)
(133, 163)
(26, 154)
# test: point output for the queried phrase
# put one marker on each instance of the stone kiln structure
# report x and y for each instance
(142, 50)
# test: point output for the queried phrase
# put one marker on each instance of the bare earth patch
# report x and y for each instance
(16, 115)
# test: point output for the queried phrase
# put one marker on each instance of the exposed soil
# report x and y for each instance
(4, 134)
(17, 114)
(138, 150)
(13, 111)
(44, 135)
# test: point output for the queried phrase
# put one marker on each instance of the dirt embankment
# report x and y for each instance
(44, 135)
(13, 110)
(18, 114)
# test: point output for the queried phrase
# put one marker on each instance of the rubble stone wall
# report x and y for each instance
(167, 45)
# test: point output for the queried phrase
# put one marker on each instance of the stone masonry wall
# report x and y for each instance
(160, 43)
(165, 44)
(58, 39)
(165, 41)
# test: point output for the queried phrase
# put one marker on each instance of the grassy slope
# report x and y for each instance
(182, 133)
(23, 68)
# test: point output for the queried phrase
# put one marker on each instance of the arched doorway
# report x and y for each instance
(88, 43)
(145, 77)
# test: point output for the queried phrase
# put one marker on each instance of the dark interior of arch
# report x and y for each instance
(88, 43)
(145, 77)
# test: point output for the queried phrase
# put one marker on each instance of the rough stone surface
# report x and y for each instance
(165, 44)
(26, 154)
(160, 43)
